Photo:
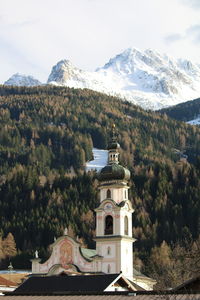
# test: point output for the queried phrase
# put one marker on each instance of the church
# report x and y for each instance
(114, 240)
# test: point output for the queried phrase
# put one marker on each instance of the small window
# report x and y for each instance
(125, 225)
(108, 225)
(109, 194)
(108, 250)
(108, 269)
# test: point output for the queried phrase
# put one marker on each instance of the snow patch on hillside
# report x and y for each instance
(194, 122)
(99, 161)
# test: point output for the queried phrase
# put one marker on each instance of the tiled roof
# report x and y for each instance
(88, 253)
(137, 273)
(15, 277)
(107, 297)
(60, 284)
(6, 282)
(188, 284)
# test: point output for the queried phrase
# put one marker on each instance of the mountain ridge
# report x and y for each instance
(188, 111)
(145, 78)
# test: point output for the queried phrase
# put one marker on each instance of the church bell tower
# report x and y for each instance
(114, 239)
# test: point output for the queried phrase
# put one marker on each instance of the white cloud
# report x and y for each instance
(193, 33)
(192, 3)
(173, 38)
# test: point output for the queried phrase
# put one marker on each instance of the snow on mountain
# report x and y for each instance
(22, 80)
(65, 74)
(147, 78)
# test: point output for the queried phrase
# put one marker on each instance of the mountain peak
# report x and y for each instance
(130, 52)
(64, 70)
(65, 63)
(22, 80)
(147, 78)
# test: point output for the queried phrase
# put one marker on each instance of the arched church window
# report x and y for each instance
(125, 225)
(108, 270)
(108, 250)
(108, 225)
(108, 193)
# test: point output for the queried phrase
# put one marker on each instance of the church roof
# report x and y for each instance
(113, 145)
(192, 284)
(137, 273)
(113, 296)
(64, 284)
(88, 253)
(114, 171)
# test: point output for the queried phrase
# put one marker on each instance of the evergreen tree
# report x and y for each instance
(2, 255)
(9, 246)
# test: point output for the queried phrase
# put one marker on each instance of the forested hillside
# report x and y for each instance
(184, 111)
(46, 136)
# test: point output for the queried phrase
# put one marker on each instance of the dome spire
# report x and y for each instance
(114, 135)
(113, 148)
(113, 170)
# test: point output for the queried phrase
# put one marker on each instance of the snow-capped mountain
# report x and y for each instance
(147, 78)
(65, 74)
(22, 80)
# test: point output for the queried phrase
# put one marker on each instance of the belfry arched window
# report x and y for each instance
(125, 225)
(108, 194)
(108, 225)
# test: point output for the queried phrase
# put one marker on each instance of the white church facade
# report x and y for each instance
(114, 240)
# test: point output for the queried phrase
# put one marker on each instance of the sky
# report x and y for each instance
(36, 34)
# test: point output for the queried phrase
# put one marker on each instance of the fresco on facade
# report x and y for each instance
(66, 254)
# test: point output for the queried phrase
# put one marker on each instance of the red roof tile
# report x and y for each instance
(6, 282)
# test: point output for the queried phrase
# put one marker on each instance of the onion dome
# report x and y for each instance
(113, 145)
(114, 172)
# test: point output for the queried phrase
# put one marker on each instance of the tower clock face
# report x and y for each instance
(108, 207)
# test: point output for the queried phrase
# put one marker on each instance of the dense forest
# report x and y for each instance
(46, 137)
(185, 111)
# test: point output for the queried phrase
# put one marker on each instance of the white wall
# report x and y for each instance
(117, 194)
